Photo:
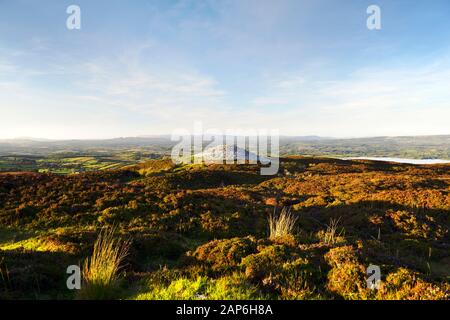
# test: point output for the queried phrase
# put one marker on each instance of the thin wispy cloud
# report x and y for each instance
(304, 67)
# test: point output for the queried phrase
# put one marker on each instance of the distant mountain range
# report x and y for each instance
(166, 138)
(416, 147)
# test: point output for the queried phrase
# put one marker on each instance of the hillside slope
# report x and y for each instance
(204, 229)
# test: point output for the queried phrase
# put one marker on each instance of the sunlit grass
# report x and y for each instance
(101, 270)
(233, 287)
(283, 224)
(334, 233)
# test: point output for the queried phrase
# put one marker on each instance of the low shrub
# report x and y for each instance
(347, 276)
(407, 285)
(225, 254)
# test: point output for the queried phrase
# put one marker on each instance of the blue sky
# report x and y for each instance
(150, 67)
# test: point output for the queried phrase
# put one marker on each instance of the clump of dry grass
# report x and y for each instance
(283, 224)
(332, 234)
(101, 270)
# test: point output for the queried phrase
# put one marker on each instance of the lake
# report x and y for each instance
(401, 160)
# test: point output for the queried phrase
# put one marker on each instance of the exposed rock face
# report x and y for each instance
(229, 153)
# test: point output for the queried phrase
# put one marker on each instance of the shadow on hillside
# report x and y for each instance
(392, 233)
(362, 210)
(204, 179)
(28, 274)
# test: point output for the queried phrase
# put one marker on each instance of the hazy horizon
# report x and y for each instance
(302, 67)
(168, 136)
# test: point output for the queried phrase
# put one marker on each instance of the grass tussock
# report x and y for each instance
(334, 233)
(101, 270)
(283, 224)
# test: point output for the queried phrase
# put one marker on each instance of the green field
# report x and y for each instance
(64, 164)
